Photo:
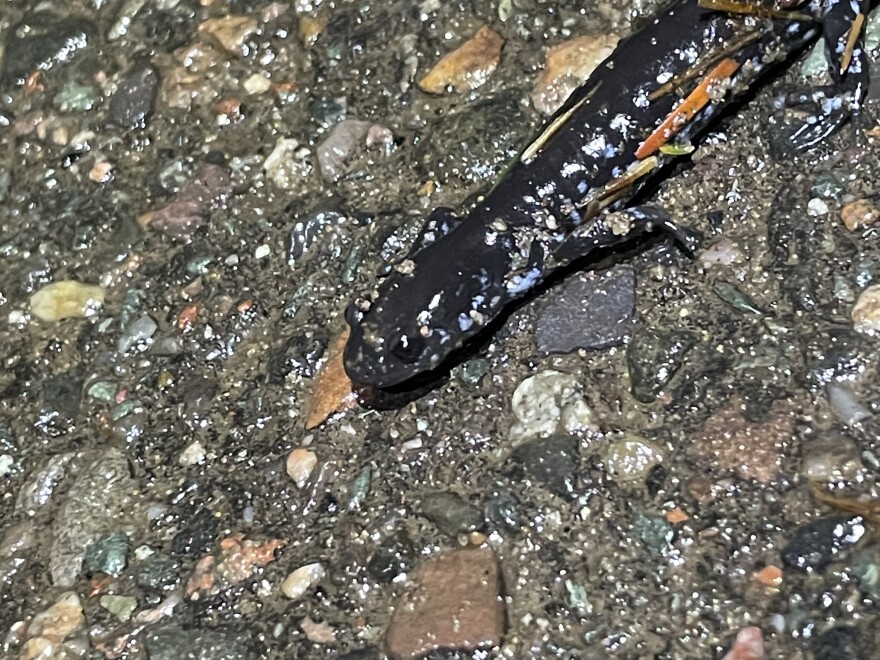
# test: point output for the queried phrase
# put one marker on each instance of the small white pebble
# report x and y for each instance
(301, 580)
(300, 463)
(817, 207)
(156, 510)
(17, 317)
(193, 454)
(6, 463)
(415, 443)
(257, 84)
(262, 252)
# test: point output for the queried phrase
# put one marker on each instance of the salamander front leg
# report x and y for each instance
(830, 106)
(609, 230)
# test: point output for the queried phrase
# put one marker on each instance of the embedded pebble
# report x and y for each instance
(194, 203)
(338, 146)
(546, 401)
(287, 165)
(653, 358)
(829, 458)
(122, 607)
(257, 83)
(723, 252)
(827, 185)
(15, 542)
(300, 463)
(301, 580)
(66, 299)
(866, 311)
(859, 214)
(140, 330)
(108, 554)
(132, 103)
(552, 462)
(40, 485)
(865, 565)
(42, 41)
(101, 497)
(503, 510)
(75, 97)
(450, 512)
(566, 66)
(748, 645)
(817, 543)
(197, 535)
(734, 297)
(846, 406)
(231, 32)
(360, 488)
(193, 454)
(843, 643)
(455, 604)
(48, 630)
(631, 459)
(592, 310)
(467, 67)
(319, 633)
(654, 532)
(816, 207)
(392, 558)
(158, 572)
(751, 449)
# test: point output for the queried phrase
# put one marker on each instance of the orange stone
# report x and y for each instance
(456, 604)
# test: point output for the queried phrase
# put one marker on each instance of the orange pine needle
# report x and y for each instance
(690, 106)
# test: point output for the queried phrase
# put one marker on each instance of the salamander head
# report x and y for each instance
(387, 346)
(414, 324)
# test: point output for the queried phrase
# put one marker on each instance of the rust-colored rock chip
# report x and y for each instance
(567, 66)
(468, 66)
(456, 604)
(333, 390)
(753, 450)
(859, 214)
(192, 206)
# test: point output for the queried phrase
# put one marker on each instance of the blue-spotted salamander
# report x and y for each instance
(656, 93)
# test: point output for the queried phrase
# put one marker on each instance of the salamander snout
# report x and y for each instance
(383, 357)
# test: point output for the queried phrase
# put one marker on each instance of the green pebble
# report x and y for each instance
(121, 607)
(109, 554)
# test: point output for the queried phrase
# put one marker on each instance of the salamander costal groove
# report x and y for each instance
(561, 200)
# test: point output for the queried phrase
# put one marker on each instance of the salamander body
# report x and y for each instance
(641, 108)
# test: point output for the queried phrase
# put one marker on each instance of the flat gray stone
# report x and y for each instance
(591, 310)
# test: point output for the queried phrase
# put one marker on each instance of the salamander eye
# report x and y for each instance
(409, 347)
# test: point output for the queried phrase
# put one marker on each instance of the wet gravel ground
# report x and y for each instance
(196, 168)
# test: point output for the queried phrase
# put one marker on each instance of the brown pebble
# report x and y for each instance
(456, 604)
(468, 66)
(566, 66)
(858, 214)
(866, 311)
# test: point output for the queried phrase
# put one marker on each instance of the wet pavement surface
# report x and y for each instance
(670, 459)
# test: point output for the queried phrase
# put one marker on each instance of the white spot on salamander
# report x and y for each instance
(572, 168)
(522, 282)
(595, 147)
